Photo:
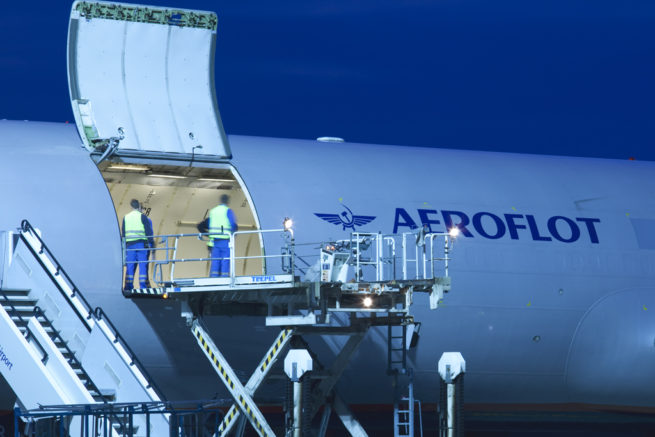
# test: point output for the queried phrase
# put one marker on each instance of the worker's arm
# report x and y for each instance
(147, 225)
(203, 226)
(233, 220)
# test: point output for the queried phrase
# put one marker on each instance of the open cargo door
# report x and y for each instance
(141, 81)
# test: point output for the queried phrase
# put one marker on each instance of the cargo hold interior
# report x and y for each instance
(177, 198)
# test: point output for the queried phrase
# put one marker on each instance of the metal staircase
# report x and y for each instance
(21, 307)
(56, 349)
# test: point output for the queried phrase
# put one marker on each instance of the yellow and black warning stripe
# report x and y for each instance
(229, 417)
(232, 412)
(278, 344)
(156, 291)
(223, 373)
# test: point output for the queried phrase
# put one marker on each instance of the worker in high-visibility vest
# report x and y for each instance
(220, 224)
(137, 232)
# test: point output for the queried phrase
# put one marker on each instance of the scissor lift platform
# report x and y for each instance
(202, 285)
(307, 306)
(280, 294)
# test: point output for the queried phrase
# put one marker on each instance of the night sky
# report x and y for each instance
(564, 77)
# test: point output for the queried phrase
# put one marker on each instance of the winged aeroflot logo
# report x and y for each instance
(347, 219)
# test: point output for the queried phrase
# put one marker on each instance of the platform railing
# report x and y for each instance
(422, 255)
(370, 249)
(287, 254)
(171, 244)
(425, 260)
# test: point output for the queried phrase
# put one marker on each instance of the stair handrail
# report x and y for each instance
(28, 332)
(95, 315)
(72, 360)
(26, 226)
(100, 315)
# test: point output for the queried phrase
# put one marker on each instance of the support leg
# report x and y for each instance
(320, 393)
(325, 420)
(257, 377)
(347, 418)
(326, 386)
(232, 383)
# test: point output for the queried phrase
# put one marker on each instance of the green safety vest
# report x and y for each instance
(134, 229)
(219, 224)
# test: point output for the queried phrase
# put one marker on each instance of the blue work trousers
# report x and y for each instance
(220, 267)
(136, 253)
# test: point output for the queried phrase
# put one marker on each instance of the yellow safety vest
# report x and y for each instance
(219, 224)
(134, 229)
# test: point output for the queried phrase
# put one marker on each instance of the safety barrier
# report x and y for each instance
(378, 251)
(187, 419)
(422, 255)
(170, 246)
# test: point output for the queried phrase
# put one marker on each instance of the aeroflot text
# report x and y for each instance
(495, 226)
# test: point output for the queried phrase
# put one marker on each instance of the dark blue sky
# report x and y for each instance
(566, 77)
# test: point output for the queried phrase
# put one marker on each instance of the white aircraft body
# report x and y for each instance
(552, 293)
(552, 296)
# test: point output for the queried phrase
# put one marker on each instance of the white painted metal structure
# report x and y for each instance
(146, 75)
(258, 376)
(106, 365)
(451, 366)
(296, 364)
(240, 394)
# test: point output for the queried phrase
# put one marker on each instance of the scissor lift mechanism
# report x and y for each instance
(299, 308)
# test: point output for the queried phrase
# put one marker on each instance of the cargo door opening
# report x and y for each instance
(142, 90)
(176, 198)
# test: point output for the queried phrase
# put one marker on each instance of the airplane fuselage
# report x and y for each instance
(552, 294)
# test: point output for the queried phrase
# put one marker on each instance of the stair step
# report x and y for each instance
(25, 300)
(99, 398)
(20, 309)
(102, 395)
(15, 293)
(65, 353)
